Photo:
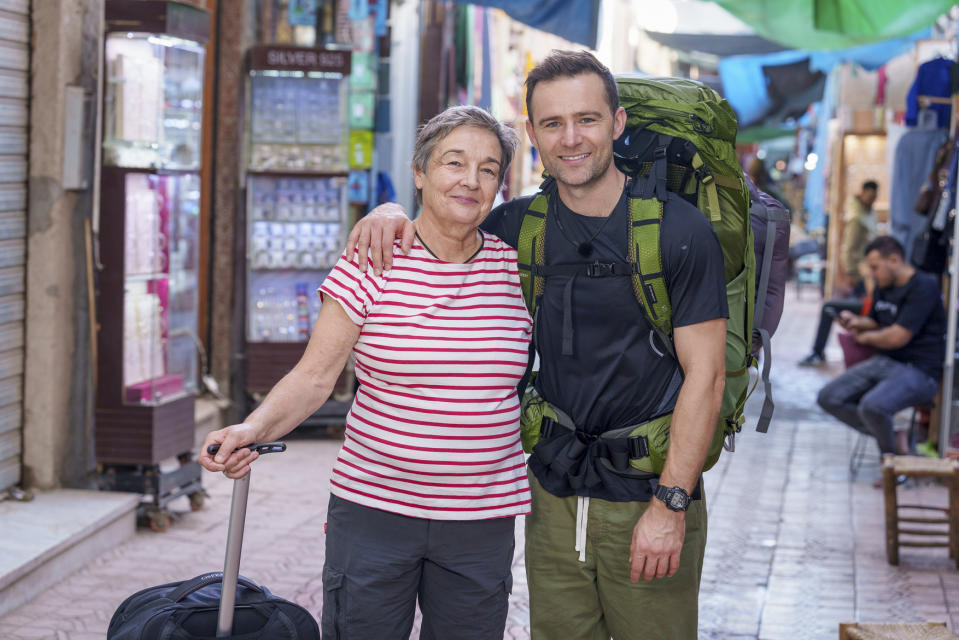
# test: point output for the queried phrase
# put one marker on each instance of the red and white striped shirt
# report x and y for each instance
(434, 427)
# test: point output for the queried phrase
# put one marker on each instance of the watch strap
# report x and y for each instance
(666, 494)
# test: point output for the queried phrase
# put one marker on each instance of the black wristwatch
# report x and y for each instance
(675, 498)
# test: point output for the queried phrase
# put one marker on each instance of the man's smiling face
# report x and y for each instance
(573, 128)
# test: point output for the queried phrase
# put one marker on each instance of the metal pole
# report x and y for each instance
(231, 566)
(948, 369)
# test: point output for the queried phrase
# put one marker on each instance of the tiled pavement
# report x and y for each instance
(794, 548)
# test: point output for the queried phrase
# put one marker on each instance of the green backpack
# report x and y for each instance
(680, 136)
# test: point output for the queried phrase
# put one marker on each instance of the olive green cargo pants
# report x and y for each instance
(595, 600)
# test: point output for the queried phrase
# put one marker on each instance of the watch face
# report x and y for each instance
(677, 501)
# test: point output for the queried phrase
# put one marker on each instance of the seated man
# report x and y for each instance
(850, 290)
(906, 326)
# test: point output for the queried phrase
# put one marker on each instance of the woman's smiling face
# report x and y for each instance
(462, 176)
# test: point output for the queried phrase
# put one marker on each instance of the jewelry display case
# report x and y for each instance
(149, 241)
(296, 206)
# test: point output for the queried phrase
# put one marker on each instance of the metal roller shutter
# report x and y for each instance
(14, 112)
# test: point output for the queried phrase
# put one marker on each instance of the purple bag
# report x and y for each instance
(770, 221)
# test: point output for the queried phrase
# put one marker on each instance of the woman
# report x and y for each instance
(431, 475)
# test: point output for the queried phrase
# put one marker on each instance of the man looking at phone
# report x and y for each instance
(906, 326)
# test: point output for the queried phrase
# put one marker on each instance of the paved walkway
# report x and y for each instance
(794, 547)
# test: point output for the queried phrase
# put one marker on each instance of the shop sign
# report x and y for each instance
(300, 59)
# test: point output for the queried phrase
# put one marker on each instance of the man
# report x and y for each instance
(906, 325)
(587, 547)
(859, 230)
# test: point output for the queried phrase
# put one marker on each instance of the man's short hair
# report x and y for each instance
(886, 246)
(870, 184)
(568, 64)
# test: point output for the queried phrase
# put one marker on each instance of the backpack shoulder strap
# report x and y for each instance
(773, 218)
(530, 248)
(649, 281)
(709, 182)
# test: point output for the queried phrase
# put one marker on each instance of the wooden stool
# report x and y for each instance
(859, 447)
(920, 467)
(895, 631)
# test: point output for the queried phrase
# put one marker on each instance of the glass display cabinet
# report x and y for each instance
(147, 300)
(296, 206)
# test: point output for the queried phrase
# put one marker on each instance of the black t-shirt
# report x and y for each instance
(617, 375)
(916, 306)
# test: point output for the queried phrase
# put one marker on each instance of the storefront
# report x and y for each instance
(14, 110)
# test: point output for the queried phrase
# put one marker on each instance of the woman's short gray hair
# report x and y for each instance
(442, 124)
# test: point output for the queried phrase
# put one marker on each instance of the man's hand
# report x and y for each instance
(373, 235)
(847, 320)
(233, 458)
(657, 542)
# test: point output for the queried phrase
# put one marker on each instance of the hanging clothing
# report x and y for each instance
(912, 163)
(932, 79)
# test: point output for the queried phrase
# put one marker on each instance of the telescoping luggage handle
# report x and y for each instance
(234, 538)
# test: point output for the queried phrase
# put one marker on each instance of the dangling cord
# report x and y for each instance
(582, 517)
(584, 248)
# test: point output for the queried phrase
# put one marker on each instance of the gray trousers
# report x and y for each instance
(867, 396)
(378, 564)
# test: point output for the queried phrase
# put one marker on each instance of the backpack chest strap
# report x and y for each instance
(589, 269)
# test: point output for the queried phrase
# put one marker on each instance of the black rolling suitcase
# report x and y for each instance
(218, 604)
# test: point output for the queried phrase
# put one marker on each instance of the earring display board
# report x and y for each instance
(296, 234)
(297, 99)
(298, 160)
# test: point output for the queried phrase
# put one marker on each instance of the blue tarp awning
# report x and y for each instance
(745, 85)
(573, 20)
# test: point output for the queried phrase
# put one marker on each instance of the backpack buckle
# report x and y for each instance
(638, 447)
(546, 427)
(734, 426)
(659, 153)
(599, 269)
(704, 175)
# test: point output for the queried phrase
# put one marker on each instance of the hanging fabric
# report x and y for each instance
(932, 81)
(931, 249)
(913, 161)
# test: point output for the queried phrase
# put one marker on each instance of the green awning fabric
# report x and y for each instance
(834, 24)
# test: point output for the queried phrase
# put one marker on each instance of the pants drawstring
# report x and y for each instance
(582, 517)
